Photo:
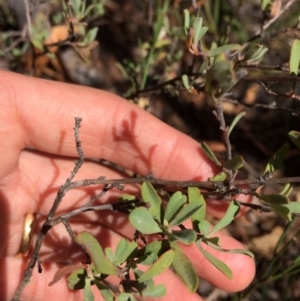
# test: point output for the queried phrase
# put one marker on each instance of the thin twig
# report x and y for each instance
(219, 112)
(284, 9)
(286, 95)
(28, 19)
(47, 225)
(271, 106)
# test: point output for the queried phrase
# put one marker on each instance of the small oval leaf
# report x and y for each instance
(197, 26)
(185, 81)
(142, 220)
(154, 292)
(229, 216)
(234, 251)
(235, 121)
(220, 177)
(76, 281)
(294, 207)
(295, 137)
(283, 211)
(186, 20)
(175, 203)
(87, 292)
(184, 269)
(295, 57)
(93, 248)
(204, 227)
(124, 250)
(185, 213)
(208, 152)
(235, 163)
(159, 266)
(220, 265)
(274, 199)
(277, 158)
(150, 196)
(185, 236)
(219, 50)
(196, 197)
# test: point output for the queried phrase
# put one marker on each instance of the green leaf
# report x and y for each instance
(109, 254)
(219, 177)
(91, 36)
(185, 81)
(127, 197)
(150, 196)
(142, 220)
(295, 137)
(221, 266)
(208, 152)
(234, 251)
(159, 266)
(126, 297)
(235, 163)
(186, 21)
(229, 216)
(287, 190)
(274, 199)
(294, 207)
(157, 247)
(38, 44)
(211, 240)
(195, 197)
(199, 31)
(106, 293)
(265, 4)
(124, 250)
(283, 211)
(185, 236)
(76, 281)
(221, 77)
(277, 158)
(186, 84)
(204, 227)
(87, 292)
(175, 203)
(295, 57)
(257, 55)
(185, 213)
(235, 121)
(147, 259)
(93, 248)
(154, 292)
(184, 268)
(76, 4)
(219, 50)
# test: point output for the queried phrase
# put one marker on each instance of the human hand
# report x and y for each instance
(36, 150)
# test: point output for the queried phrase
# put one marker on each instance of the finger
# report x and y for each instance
(40, 114)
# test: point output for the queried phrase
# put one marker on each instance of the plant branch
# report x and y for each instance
(290, 94)
(217, 189)
(47, 225)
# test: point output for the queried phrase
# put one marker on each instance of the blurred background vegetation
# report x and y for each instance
(139, 49)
